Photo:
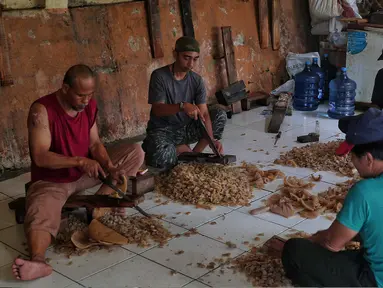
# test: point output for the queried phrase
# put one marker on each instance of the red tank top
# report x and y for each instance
(70, 137)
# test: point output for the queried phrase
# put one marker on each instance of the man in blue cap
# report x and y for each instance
(319, 260)
(178, 98)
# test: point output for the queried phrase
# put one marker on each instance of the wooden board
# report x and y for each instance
(231, 70)
(263, 9)
(5, 66)
(279, 113)
(154, 24)
(254, 100)
(186, 17)
(228, 48)
(362, 26)
(276, 34)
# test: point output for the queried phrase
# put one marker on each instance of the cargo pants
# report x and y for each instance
(160, 144)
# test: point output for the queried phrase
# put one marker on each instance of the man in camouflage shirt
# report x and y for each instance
(178, 98)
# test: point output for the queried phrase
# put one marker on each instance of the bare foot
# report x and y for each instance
(30, 270)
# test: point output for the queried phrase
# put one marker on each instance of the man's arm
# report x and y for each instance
(97, 149)
(161, 109)
(335, 237)
(40, 141)
(202, 143)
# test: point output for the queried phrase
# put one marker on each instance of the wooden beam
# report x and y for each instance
(228, 48)
(5, 65)
(263, 9)
(154, 24)
(187, 18)
(276, 34)
(231, 70)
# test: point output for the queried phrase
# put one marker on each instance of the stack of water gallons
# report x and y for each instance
(315, 84)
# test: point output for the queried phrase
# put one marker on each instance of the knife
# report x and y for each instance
(122, 194)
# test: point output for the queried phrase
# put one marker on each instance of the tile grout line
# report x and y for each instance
(219, 266)
(76, 282)
(169, 269)
(108, 267)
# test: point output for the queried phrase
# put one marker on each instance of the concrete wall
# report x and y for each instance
(113, 39)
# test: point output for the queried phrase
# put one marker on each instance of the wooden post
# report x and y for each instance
(5, 65)
(276, 12)
(228, 48)
(263, 9)
(154, 24)
(187, 19)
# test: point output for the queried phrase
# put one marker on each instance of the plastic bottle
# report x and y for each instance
(342, 96)
(306, 90)
(329, 74)
(315, 68)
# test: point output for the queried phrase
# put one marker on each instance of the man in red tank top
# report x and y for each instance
(67, 157)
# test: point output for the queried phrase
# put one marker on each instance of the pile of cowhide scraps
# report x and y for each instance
(295, 198)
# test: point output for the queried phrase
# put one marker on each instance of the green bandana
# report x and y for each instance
(187, 44)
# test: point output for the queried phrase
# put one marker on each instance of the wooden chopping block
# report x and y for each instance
(263, 15)
(276, 35)
(99, 212)
(99, 232)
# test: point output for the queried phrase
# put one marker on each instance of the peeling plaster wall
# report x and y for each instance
(113, 39)
(28, 4)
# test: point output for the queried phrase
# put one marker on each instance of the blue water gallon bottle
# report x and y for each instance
(315, 68)
(306, 90)
(342, 96)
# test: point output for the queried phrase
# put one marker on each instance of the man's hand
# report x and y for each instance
(219, 146)
(116, 174)
(193, 111)
(91, 167)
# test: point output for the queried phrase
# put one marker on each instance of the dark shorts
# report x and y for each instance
(308, 264)
(160, 144)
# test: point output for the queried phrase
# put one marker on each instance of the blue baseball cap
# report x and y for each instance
(364, 128)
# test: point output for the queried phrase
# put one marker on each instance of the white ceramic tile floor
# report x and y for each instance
(330, 177)
(80, 267)
(7, 216)
(313, 225)
(239, 228)
(225, 277)
(14, 237)
(195, 284)
(176, 214)
(3, 197)
(7, 255)
(15, 186)
(196, 249)
(136, 272)
(151, 268)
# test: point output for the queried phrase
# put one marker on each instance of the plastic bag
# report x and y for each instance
(322, 10)
(350, 9)
(287, 87)
(327, 27)
(295, 63)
